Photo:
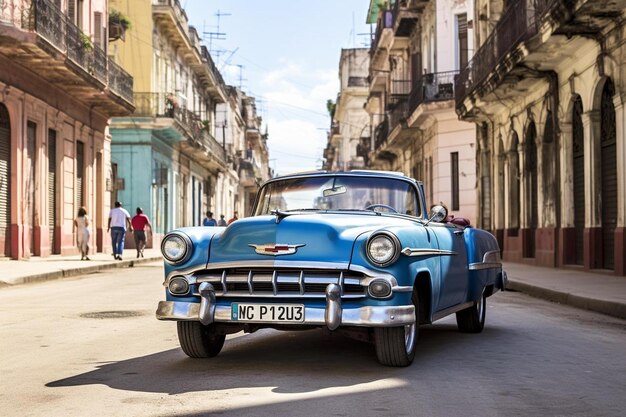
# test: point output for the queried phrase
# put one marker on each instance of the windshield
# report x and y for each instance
(339, 193)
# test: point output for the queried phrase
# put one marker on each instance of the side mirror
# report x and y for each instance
(438, 214)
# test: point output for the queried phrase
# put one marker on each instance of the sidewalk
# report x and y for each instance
(600, 292)
(597, 291)
(38, 269)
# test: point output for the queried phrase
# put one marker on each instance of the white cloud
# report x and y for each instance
(295, 103)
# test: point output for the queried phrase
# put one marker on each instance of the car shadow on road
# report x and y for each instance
(291, 362)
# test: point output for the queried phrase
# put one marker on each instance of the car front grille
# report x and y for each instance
(281, 283)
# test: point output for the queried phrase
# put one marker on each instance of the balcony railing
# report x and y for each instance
(518, 23)
(49, 22)
(120, 82)
(404, 18)
(160, 105)
(385, 22)
(432, 87)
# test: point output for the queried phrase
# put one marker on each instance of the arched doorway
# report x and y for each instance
(608, 174)
(5, 182)
(531, 194)
(578, 168)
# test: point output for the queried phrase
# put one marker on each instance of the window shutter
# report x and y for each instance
(97, 29)
(71, 10)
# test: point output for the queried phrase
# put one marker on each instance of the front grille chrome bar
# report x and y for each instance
(291, 283)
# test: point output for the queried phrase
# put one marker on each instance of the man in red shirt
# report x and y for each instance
(139, 222)
(233, 219)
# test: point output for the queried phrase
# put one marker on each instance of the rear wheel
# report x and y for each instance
(472, 319)
(198, 340)
(396, 346)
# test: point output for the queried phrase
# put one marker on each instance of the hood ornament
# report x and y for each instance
(275, 249)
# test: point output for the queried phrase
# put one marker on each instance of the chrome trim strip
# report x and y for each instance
(398, 288)
(370, 316)
(443, 313)
(301, 282)
(274, 288)
(427, 252)
(477, 266)
(249, 281)
(491, 259)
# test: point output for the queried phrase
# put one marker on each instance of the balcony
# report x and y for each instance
(404, 18)
(38, 35)
(172, 19)
(432, 87)
(198, 140)
(530, 36)
(381, 41)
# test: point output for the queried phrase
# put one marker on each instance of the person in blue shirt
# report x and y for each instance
(209, 220)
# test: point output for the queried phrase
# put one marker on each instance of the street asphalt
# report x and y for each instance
(602, 292)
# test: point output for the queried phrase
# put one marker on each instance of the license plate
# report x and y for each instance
(283, 313)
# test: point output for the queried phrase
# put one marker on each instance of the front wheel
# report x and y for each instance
(396, 346)
(198, 340)
(472, 319)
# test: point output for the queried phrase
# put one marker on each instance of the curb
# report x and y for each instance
(609, 308)
(72, 272)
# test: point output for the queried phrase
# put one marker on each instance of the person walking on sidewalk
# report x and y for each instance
(81, 223)
(119, 219)
(209, 220)
(234, 218)
(139, 223)
(221, 222)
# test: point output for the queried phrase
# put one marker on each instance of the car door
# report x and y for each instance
(453, 261)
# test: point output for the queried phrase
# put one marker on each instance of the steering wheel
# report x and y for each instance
(373, 206)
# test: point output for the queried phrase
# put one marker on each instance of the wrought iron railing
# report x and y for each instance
(49, 22)
(432, 87)
(204, 52)
(120, 82)
(518, 23)
(385, 22)
(380, 133)
(164, 105)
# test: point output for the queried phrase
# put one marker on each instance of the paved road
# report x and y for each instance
(91, 347)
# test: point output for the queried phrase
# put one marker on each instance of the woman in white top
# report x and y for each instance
(81, 222)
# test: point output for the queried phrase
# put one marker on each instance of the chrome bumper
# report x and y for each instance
(373, 316)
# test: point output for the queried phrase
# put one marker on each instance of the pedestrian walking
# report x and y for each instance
(222, 222)
(139, 223)
(119, 220)
(234, 218)
(81, 223)
(209, 220)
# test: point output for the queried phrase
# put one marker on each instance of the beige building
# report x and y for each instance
(350, 132)
(416, 53)
(58, 90)
(546, 89)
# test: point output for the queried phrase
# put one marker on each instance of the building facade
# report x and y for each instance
(545, 89)
(166, 157)
(416, 53)
(57, 91)
(350, 131)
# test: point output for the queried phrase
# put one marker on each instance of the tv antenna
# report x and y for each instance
(241, 79)
(217, 35)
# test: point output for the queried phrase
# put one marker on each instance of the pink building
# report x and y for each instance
(58, 90)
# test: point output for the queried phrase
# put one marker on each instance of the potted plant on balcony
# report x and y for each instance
(118, 25)
(170, 104)
(85, 42)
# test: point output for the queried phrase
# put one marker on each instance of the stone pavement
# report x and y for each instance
(596, 291)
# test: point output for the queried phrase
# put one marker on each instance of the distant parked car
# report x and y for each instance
(353, 251)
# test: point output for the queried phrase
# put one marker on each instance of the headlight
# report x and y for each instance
(383, 248)
(176, 247)
(178, 286)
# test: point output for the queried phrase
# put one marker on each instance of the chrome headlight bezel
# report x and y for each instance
(394, 246)
(178, 285)
(186, 246)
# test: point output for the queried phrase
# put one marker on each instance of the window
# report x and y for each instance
(461, 29)
(454, 163)
(80, 168)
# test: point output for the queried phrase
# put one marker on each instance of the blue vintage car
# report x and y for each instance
(353, 251)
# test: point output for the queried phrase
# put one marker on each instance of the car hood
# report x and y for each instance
(319, 237)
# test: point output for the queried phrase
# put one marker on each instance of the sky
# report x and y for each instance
(285, 53)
